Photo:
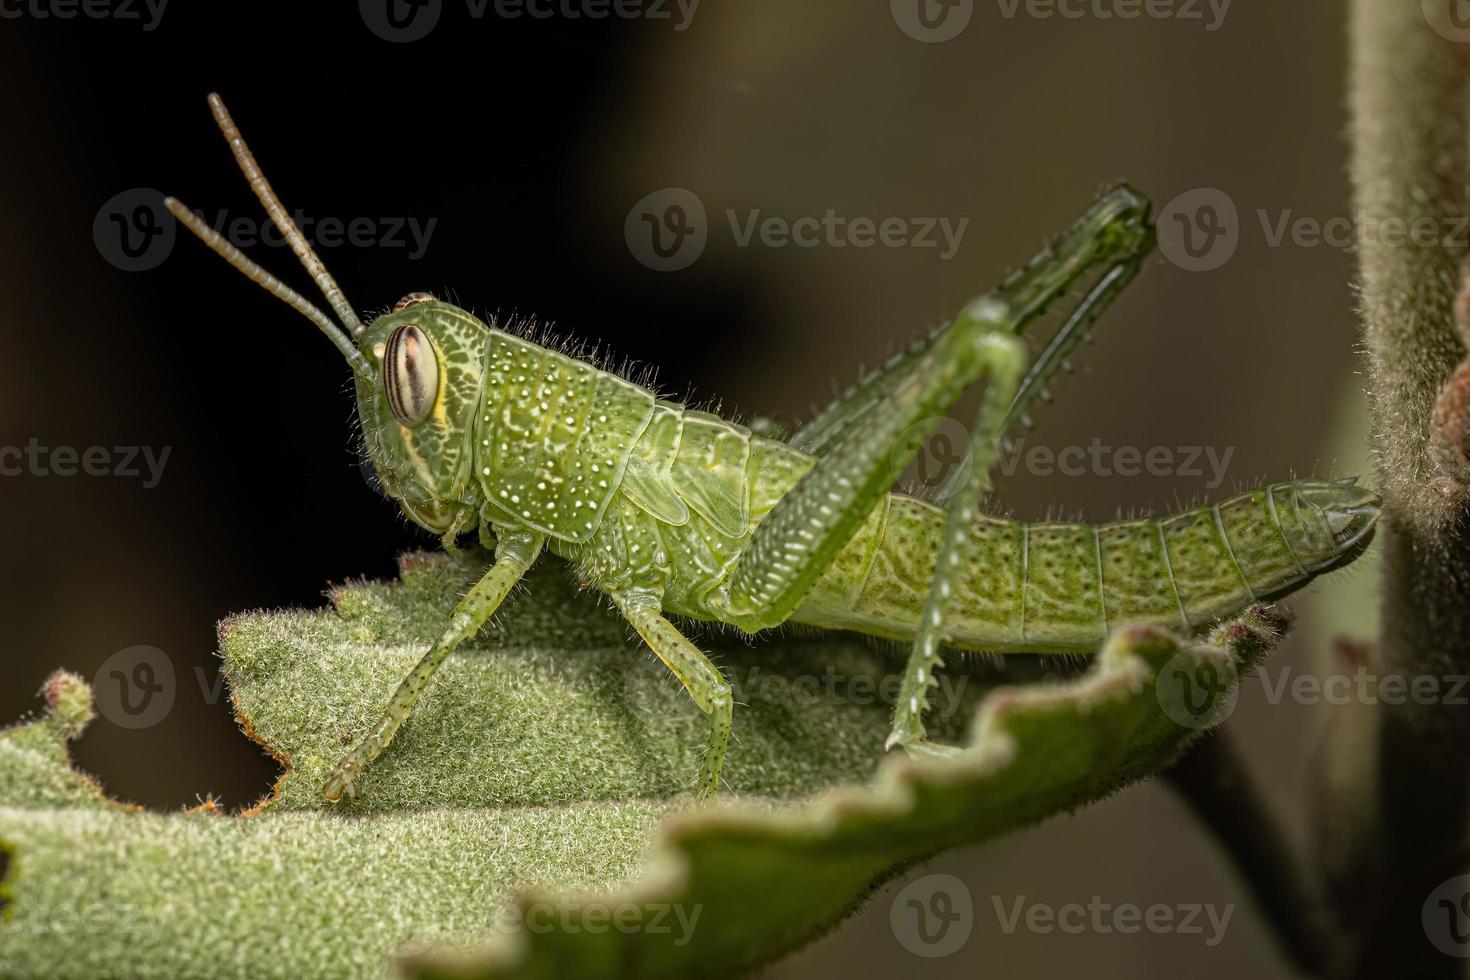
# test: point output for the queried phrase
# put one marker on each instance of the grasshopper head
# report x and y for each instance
(417, 406)
(417, 369)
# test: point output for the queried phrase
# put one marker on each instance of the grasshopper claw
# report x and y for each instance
(339, 782)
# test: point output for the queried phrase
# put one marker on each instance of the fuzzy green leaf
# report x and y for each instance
(532, 819)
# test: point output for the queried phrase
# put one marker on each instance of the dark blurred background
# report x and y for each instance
(527, 142)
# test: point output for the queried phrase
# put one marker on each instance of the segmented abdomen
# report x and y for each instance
(1060, 586)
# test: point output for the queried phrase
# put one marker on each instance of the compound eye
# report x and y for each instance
(410, 374)
(412, 299)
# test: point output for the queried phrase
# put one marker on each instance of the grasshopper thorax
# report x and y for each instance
(465, 421)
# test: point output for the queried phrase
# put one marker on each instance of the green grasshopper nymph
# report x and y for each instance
(676, 512)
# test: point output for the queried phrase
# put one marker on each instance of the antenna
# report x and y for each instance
(282, 220)
(309, 259)
(225, 250)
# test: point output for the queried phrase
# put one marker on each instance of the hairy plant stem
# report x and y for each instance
(1217, 786)
(1408, 108)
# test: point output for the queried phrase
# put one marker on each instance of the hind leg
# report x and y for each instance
(1100, 235)
(858, 438)
(1004, 401)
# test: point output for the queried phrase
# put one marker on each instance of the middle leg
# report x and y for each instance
(701, 678)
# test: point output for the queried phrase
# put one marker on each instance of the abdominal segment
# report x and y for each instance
(1058, 587)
